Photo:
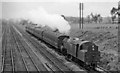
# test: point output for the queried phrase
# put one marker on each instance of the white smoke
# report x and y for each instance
(42, 18)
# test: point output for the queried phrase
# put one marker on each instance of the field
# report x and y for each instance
(95, 27)
(106, 37)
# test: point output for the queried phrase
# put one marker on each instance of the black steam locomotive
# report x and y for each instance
(84, 51)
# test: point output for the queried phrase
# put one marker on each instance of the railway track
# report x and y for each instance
(27, 55)
(57, 65)
(15, 57)
(26, 58)
(7, 59)
(36, 44)
(7, 51)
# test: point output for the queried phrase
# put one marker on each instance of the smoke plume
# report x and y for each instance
(42, 18)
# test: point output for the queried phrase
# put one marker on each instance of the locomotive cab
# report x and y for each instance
(88, 52)
(60, 44)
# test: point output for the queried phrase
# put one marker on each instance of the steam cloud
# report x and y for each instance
(42, 18)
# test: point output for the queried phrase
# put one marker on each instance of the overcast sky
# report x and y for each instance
(10, 9)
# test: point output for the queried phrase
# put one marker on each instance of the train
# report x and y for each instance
(71, 48)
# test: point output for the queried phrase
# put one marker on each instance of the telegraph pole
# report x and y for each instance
(81, 16)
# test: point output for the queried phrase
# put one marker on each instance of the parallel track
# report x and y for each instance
(7, 55)
(16, 44)
(27, 56)
(55, 62)
(15, 56)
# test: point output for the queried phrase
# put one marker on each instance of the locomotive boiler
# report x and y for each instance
(84, 51)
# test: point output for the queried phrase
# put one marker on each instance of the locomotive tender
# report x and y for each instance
(84, 51)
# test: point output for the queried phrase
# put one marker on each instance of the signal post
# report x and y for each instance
(81, 16)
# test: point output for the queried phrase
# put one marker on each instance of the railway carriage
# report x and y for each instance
(54, 39)
(51, 38)
(35, 32)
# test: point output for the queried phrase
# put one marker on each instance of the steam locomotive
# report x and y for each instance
(84, 51)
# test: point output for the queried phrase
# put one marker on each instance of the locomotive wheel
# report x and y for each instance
(59, 51)
(93, 65)
(68, 57)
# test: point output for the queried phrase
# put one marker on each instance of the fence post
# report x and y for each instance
(81, 16)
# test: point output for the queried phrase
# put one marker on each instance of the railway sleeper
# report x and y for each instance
(8, 61)
(7, 68)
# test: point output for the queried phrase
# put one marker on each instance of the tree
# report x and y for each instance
(96, 18)
(114, 12)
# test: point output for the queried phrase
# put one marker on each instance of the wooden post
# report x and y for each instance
(80, 17)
